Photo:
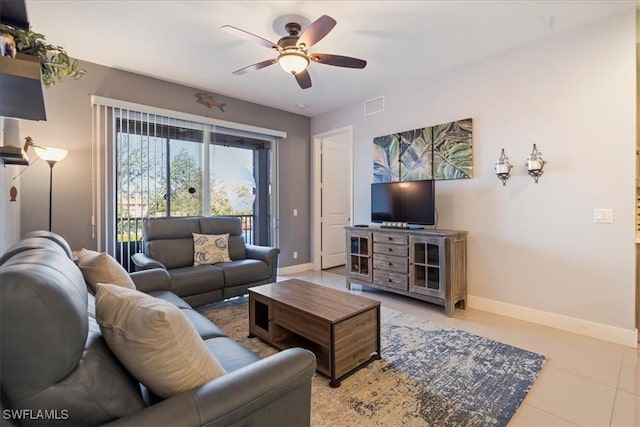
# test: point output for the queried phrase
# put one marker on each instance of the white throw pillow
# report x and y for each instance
(154, 340)
(100, 267)
(210, 248)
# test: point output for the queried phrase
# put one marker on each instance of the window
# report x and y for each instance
(161, 166)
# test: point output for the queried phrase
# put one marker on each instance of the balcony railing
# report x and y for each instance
(129, 237)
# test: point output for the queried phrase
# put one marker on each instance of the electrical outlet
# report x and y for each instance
(295, 212)
(295, 254)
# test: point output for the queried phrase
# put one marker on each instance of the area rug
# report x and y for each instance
(429, 375)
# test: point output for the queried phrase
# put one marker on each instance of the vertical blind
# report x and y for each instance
(148, 162)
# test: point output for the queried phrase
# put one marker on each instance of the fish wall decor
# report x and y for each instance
(207, 99)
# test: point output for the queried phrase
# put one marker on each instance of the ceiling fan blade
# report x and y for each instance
(249, 36)
(303, 79)
(254, 67)
(316, 31)
(338, 60)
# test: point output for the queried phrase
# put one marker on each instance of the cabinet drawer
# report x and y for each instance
(391, 249)
(392, 263)
(390, 279)
(396, 239)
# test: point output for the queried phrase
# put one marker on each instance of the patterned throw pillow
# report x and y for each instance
(210, 248)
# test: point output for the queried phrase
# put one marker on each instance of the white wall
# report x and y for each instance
(9, 211)
(534, 251)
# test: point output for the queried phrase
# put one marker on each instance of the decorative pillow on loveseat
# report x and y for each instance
(154, 340)
(210, 248)
(100, 267)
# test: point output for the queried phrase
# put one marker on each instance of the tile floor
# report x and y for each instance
(585, 382)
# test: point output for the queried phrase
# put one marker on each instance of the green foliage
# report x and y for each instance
(141, 186)
(220, 204)
(54, 60)
(185, 175)
(243, 191)
(129, 236)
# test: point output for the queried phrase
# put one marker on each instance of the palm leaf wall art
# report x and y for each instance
(437, 152)
(416, 152)
(386, 155)
(452, 150)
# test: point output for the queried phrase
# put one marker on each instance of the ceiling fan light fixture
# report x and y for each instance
(293, 62)
(293, 54)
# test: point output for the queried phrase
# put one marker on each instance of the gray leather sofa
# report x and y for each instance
(56, 369)
(168, 244)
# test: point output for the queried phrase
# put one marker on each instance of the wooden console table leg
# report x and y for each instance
(449, 307)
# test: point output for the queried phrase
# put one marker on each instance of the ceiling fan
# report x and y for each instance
(293, 55)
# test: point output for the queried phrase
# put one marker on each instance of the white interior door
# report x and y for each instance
(335, 198)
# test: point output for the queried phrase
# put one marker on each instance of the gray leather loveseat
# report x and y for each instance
(56, 368)
(168, 243)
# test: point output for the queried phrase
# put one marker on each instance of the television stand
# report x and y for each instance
(426, 264)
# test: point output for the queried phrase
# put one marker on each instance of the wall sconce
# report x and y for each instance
(503, 168)
(535, 163)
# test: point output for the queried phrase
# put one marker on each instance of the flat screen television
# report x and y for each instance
(412, 202)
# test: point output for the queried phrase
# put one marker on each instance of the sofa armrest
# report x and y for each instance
(267, 254)
(273, 391)
(156, 279)
(143, 262)
(264, 253)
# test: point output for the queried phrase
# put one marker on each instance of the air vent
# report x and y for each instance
(373, 106)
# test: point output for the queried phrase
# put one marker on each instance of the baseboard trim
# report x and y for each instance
(570, 324)
(293, 269)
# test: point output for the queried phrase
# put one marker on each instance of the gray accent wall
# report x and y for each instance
(69, 126)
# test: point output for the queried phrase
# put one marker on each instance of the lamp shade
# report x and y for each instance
(293, 62)
(51, 154)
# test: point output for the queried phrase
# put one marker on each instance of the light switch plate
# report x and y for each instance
(603, 216)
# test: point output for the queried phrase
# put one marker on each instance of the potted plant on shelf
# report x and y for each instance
(55, 63)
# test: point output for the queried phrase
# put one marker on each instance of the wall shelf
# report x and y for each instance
(12, 155)
(21, 87)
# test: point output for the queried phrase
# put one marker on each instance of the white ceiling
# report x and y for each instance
(181, 41)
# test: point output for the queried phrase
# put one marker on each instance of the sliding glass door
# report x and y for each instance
(239, 173)
(171, 168)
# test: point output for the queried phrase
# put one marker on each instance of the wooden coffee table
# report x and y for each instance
(341, 329)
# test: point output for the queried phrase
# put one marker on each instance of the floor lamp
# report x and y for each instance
(52, 156)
